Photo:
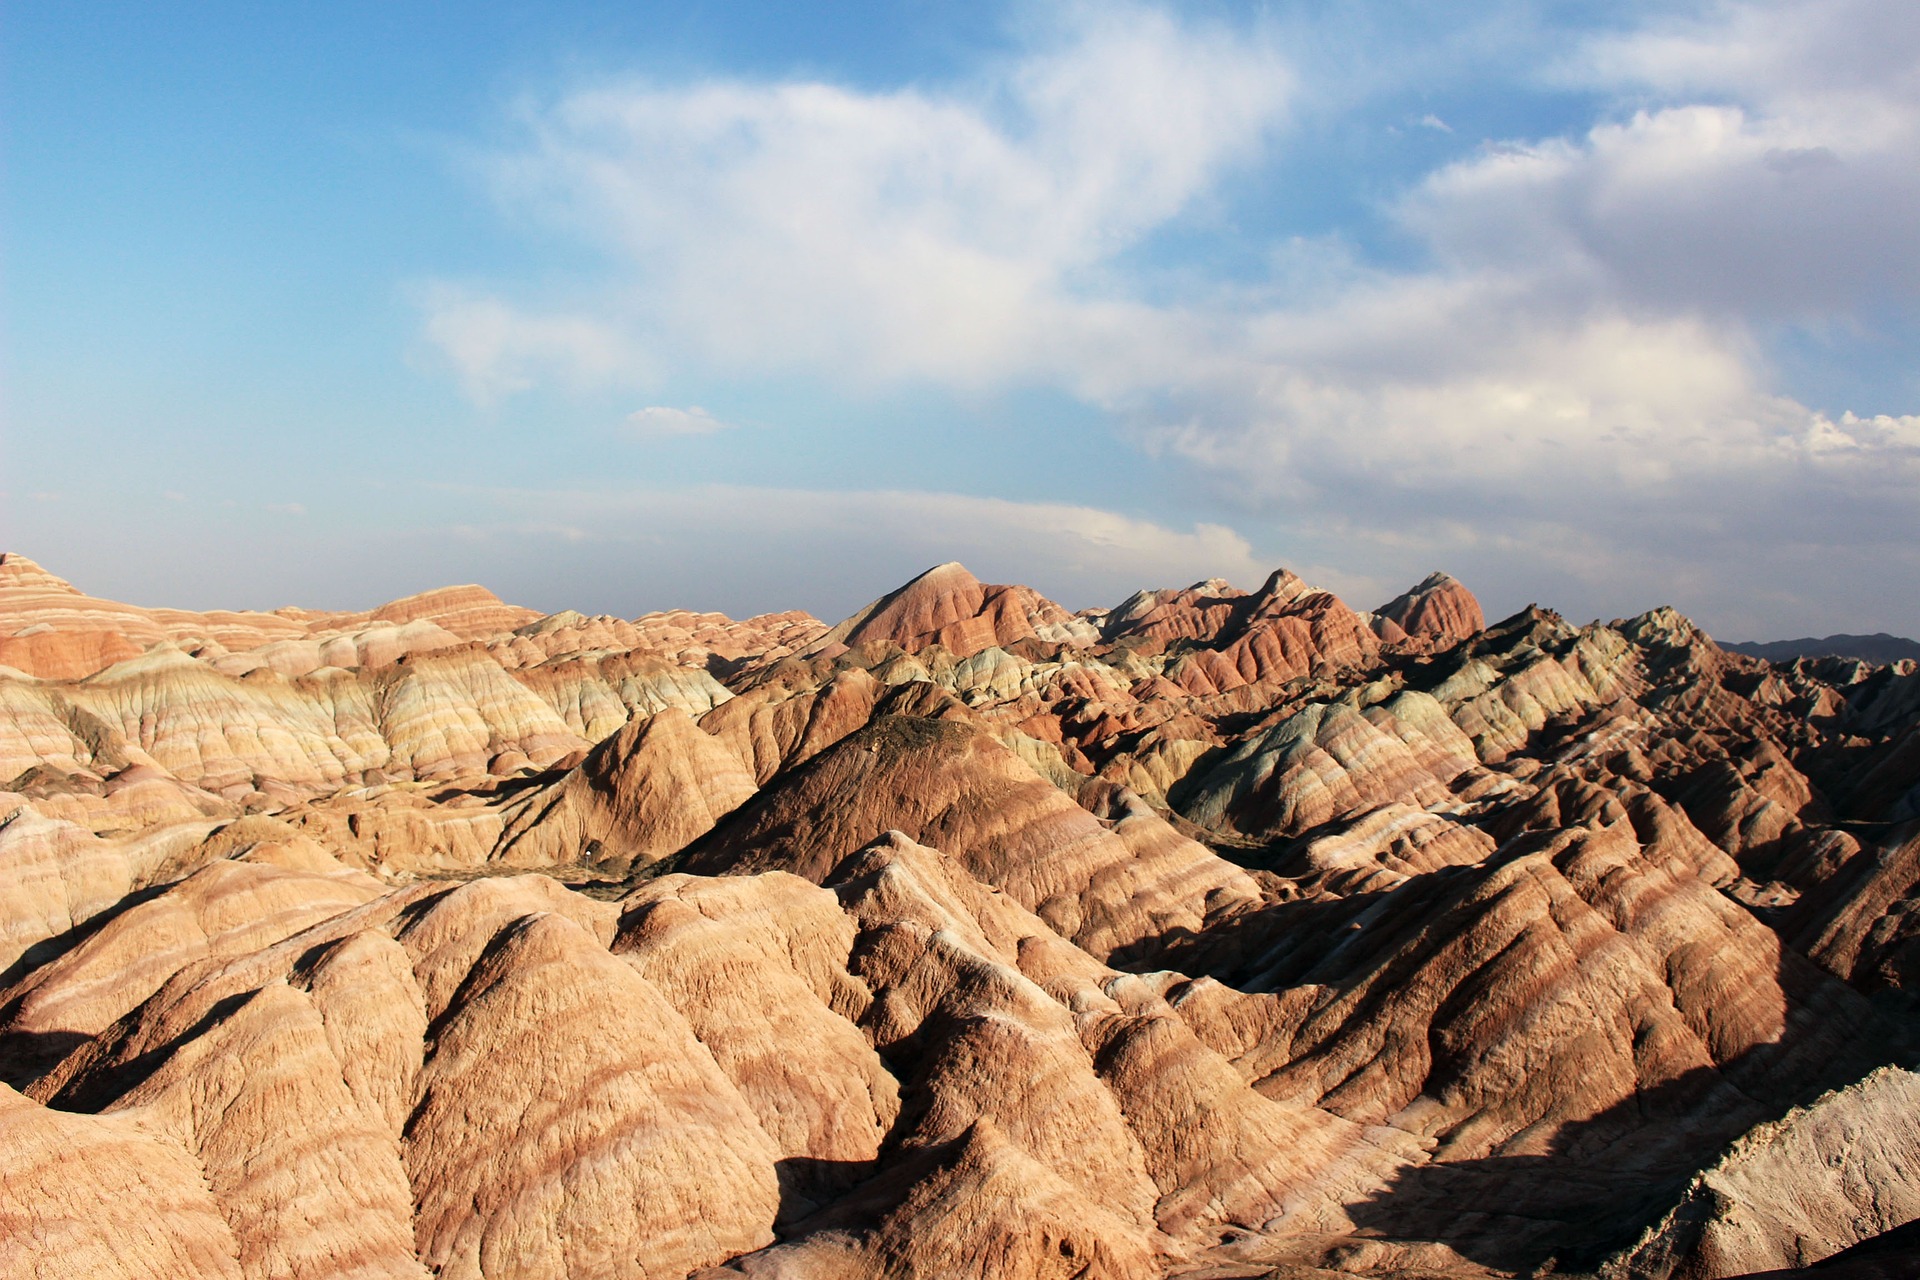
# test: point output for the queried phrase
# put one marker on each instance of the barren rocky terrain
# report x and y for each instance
(1215, 934)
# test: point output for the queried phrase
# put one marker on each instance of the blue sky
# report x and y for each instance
(750, 306)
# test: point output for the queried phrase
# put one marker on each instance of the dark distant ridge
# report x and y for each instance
(1879, 647)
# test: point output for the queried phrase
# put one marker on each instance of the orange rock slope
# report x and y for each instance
(1216, 934)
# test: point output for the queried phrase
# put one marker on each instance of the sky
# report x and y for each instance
(751, 306)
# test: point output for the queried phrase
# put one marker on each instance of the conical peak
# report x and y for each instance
(943, 582)
(1440, 607)
(1664, 625)
(948, 575)
(18, 571)
(942, 606)
(1283, 586)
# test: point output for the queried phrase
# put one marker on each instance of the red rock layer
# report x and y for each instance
(949, 607)
(1439, 608)
(1219, 933)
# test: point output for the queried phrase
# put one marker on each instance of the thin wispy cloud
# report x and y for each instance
(496, 350)
(658, 421)
(748, 547)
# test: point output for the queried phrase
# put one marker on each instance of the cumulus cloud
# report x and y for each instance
(1777, 178)
(1752, 213)
(1845, 60)
(1579, 380)
(1574, 380)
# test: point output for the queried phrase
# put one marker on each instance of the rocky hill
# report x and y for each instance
(1215, 934)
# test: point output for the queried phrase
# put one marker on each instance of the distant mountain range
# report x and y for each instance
(1879, 647)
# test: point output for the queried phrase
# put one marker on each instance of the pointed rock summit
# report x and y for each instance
(1440, 607)
(18, 573)
(950, 607)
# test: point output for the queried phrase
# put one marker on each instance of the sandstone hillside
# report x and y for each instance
(1219, 933)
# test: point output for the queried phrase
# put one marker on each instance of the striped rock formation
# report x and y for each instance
(1218, 933)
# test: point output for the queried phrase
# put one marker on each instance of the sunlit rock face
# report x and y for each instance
(1222, 932)
(1439, 608)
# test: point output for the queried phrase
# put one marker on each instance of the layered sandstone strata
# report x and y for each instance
(1219, 933)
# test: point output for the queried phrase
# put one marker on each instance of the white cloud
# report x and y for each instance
(1583, 364)
(960, 236)
(1721, 209)
(1062, 540)
(659, 420)
(1847, 64)
(756, 548)
(1580, 364)
(496, 349)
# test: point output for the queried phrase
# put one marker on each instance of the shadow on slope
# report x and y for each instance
(1891, 1255)
(1573, 1197)
(25, 1056)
